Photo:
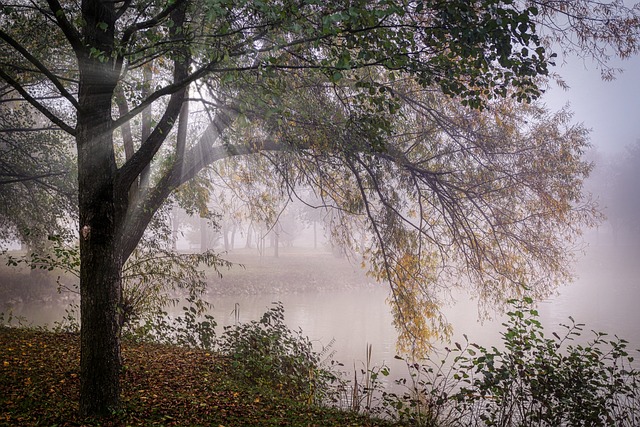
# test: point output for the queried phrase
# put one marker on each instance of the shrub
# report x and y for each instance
(532, 380)
(267, 353)
(424, 398)
(194, 328)
(540, 381)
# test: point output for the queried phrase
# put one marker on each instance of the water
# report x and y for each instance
(605, 296)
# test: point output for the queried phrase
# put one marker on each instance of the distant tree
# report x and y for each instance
(291, 225)
(312, 212)
(483, 186)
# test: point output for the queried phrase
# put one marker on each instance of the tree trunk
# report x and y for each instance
(232, 242)
(100, 293)
(247, 244)
(174, 228)
(225, 235)
(276, 242)
(315, 235)
(100, 273)
(101, 210)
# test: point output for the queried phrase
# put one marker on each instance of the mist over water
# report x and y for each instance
(604, 296)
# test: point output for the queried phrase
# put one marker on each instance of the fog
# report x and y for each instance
(608, 108)
(336, 305)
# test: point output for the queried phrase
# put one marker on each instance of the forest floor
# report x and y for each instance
(161, 385)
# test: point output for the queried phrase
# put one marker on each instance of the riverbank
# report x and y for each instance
(161, 385)
(295, 270)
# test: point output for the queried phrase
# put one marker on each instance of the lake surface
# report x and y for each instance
(605, 296)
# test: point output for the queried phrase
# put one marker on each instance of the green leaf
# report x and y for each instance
(336, 77)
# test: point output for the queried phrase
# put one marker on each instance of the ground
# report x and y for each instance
(162, 385)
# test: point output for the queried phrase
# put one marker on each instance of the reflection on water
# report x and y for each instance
(354, 318)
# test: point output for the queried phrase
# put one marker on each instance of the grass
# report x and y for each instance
(161, 385)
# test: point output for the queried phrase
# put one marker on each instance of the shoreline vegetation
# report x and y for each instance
(261, 373)
(296, 270)
(178, 372)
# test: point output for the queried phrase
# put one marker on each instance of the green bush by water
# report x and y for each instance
(533, 380)
(266, 352)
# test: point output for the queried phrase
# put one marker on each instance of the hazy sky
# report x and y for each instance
(611, 109)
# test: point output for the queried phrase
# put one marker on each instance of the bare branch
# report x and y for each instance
(14, 178)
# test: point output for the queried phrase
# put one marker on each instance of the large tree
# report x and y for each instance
(429, 174)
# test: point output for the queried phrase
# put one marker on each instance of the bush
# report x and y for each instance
(532, 381)
(540, 381)
(424, 399)
(268, 353)
(194, 328)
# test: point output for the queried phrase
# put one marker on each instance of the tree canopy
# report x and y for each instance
(411, 118)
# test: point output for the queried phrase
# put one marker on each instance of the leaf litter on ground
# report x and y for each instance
(161, 386)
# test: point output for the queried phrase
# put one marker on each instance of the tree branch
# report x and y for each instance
(70, 32)
(125, 5)
(127, 136)
(132, 29)
(40, 66)
(167, 90)
(29, 129)
(145, 130)
(11, 179)
(150, 146)
(38, 106)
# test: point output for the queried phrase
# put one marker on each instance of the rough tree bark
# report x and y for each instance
(100, 211)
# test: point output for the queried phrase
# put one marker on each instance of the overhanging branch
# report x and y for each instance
(70, 32)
